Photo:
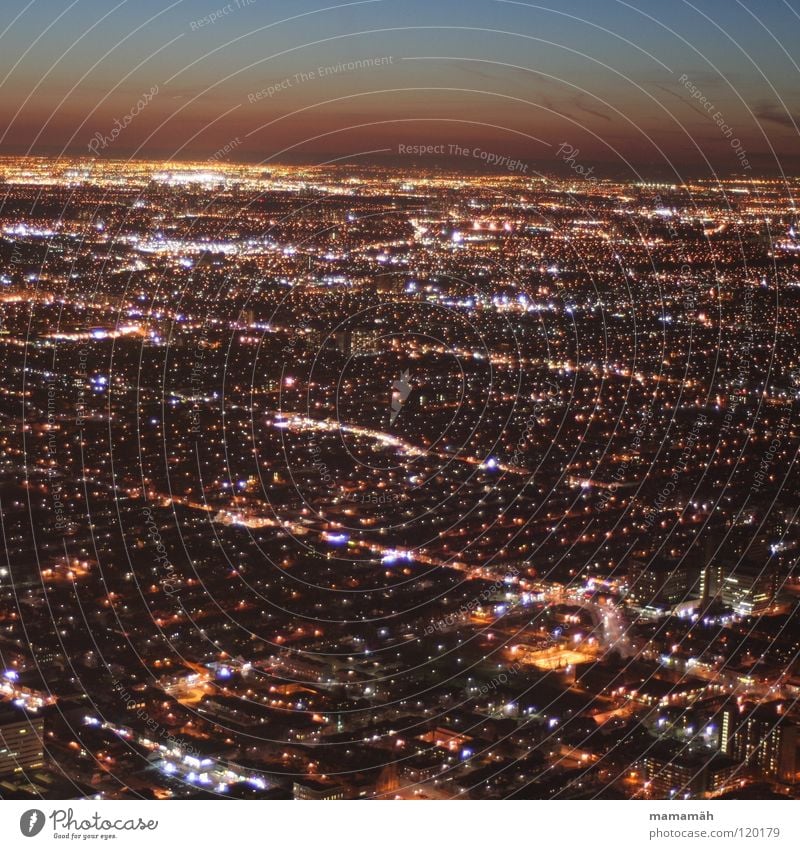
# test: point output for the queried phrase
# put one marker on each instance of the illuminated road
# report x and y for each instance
(300, 423)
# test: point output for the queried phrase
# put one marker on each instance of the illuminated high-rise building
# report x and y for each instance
(21, 746)
(763, 737)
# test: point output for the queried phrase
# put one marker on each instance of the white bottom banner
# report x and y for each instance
(392, 825)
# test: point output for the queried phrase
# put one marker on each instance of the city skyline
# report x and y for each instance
(636, 90)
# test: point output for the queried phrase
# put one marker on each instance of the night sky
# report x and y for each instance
(614, 80)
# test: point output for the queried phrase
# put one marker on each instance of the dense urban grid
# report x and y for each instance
(396, 483)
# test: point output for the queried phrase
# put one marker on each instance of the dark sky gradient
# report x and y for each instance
(513, 78)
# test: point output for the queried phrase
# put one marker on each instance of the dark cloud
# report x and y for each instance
(686, 101)
(777, 114)
(578, 101)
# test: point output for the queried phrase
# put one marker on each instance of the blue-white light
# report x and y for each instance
(337, 539)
